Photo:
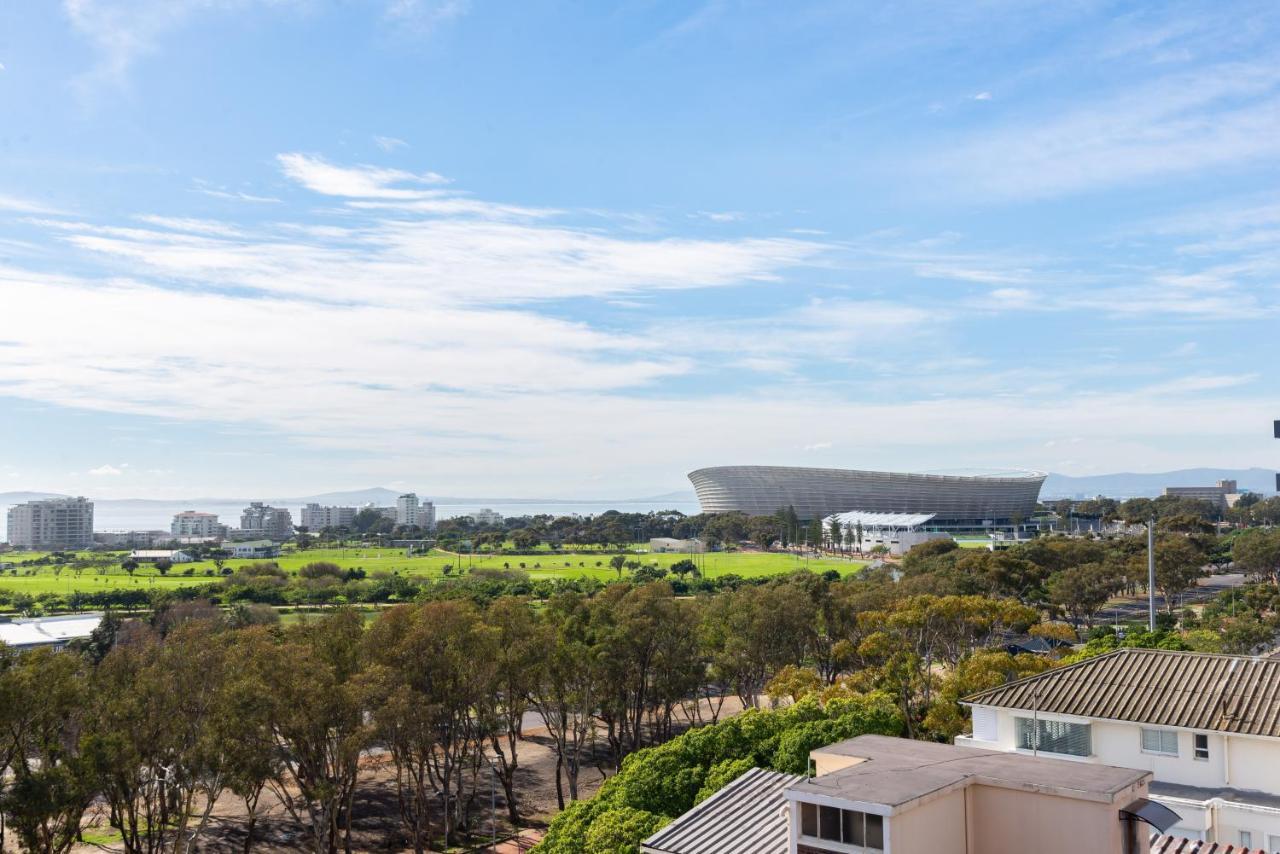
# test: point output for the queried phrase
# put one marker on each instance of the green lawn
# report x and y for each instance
(543, 565)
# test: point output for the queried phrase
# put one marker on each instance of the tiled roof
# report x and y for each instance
(1181, 845)
(744, 817)
(1196, 690)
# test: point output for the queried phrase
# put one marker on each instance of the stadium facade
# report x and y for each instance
(956, 502)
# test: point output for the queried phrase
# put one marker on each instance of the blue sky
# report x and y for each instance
(577, 249)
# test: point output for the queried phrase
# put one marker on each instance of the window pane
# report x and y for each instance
(1169, 742)
(852, 827)
(875, 832)
(829, 823)
(808, 819)
(1201, 746)
(1026, 740)
(1150, 740)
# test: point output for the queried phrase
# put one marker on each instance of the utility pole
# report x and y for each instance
(1151, 574)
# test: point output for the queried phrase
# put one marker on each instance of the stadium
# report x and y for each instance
(953, 502)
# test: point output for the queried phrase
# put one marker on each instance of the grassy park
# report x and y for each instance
(69, 578)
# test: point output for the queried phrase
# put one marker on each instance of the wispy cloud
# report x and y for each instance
(389, 143)
(1219, 117)
(17, 204)
(107, 470)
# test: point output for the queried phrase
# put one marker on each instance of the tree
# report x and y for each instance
(129, 565)
(1257, 552)
(1179, 563)
(836, 534)
(46, 767)
(517, 661)
(684, 566)
(618, 562)
(316, 717)
(1082, 591)
(163, 565)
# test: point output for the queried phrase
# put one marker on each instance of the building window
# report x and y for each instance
(1162, 741)
(1201, 746)
(848, 827)
(1062, 737)
(1246, 839)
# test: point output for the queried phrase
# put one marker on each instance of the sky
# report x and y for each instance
(577, 249)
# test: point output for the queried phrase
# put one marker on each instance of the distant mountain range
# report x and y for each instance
(1151, 484)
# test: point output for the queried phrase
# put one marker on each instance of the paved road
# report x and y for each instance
(1136, 609)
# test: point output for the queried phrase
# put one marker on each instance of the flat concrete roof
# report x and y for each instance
(897, 772)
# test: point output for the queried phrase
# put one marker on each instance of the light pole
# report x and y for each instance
(1151, 574)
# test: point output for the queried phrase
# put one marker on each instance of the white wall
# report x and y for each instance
(1238, 762)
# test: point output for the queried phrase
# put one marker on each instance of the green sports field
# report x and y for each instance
(65, 579)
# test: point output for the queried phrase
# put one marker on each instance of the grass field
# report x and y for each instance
(47, 579)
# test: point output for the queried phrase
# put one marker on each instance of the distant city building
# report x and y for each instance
(190, 523)
(48, 631)
(1222, 496)
(53, 523)
(384, 512)
(263, 521)
(411, 511)
(252, 549)
(668, 545)
(316, 518)
(153, 555)
(131, 539)
(485, 516)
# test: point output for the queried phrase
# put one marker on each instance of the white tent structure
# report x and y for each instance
(898, 532)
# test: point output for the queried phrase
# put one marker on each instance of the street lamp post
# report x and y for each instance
(1151, 574)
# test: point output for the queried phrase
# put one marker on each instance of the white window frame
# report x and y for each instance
(1046, 719)
(1161, 735)
(1246, 838)
(1195, 749)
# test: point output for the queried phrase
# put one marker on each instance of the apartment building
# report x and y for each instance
(261, 521)
(1222, 496)
(881, 795)
(315, 517)
(486, 516)
(52, 523)
(190, 523)
(1206, 726)
(410, 510)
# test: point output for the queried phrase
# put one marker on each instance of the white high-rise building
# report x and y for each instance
(411, 511)
(485, 516)
(261, 520)
(54, 523)
(316, 518)
(191, 523)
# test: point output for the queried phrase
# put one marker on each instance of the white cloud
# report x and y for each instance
(367, 182)
(982, 96)
(107, 470)
(817, 446)
(389, 143)
(17, 204)
(1220, 117)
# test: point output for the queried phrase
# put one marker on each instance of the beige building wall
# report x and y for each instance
(935, 827)
(1007, 821)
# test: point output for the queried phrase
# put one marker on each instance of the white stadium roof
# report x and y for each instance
(48, 631)
(881, 520)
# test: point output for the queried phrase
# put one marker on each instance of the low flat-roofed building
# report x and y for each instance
(252, 549)
(670, 545)
(48, 631)
(881, 795)
(153, 555)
